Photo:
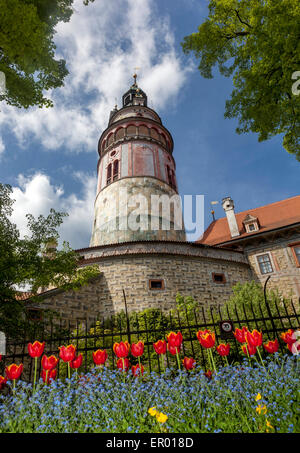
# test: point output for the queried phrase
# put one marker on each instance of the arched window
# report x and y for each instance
(120, 133)
(169, 175)
(108, 178)
(116, 170)
(131, 130)
(110, 139)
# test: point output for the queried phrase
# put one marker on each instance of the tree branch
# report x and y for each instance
(239, 17)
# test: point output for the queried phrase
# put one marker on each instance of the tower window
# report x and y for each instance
(116, 170)
(108, 179)
(265, 264)
(156, 284)
(218, 278)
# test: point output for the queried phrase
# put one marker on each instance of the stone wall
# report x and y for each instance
(286, 275)
(184, 267)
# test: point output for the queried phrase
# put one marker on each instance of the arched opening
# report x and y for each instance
(108, 177)
(116, 170)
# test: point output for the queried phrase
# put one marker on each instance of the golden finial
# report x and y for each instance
(135, 74)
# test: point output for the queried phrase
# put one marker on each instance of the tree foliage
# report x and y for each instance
(257, 42)
(31, 261)
(27, 49)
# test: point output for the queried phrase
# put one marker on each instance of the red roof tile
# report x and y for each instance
(270, 217)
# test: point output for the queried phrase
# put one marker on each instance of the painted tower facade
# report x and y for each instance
(137, 197)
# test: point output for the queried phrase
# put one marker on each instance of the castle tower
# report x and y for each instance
(136, 177)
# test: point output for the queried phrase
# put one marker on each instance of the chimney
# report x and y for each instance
(228, 207)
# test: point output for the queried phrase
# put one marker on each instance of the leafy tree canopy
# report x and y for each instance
(258, 43)
(31, 261)
(27, 49)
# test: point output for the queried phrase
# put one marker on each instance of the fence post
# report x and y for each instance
(127, 318)
(267, 304)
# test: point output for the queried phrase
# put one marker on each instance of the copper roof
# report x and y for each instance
(270, 217)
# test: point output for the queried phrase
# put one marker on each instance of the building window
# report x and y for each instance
(108, 178)
(34, 314)
(116, 170)
(218, 278)
(296, 252)
(265, 264)
(251, 227)
(156, 284)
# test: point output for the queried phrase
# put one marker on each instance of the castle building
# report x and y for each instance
(269, 237)
(144, 251)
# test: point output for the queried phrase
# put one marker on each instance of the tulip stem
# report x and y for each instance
(212, 359)
(46, 380)
(261, 358)
(69, 371)
(226, 360)
(35, 367)
(162, 362)
(178, 360)
(14, 386)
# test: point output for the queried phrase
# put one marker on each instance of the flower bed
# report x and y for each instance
(240, 398)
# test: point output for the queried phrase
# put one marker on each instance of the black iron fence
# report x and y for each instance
(151, 325)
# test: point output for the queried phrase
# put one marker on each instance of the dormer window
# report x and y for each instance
(251, 223)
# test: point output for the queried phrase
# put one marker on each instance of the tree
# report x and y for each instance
(258, 43)
(27, 49)
(31, 261)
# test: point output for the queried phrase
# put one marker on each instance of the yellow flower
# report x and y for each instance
(152, 411)
(261, 409)
(161, 418)
(258, 397)
(269, 425)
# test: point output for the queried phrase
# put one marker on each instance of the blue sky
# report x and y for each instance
(50, 157)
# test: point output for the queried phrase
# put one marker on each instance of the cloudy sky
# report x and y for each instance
(49, 156)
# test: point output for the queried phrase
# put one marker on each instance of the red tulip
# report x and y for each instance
(100, 357)
(76, 362)
(137, 349)
(3, 381)
(271, 346)
(175, 339)
(121, 349)
(14, 371)
(254, 338)
(223, 349)
(137, 371)
(123, 364)
(240, 334)
(208, 374)
(48, 363)
(160, 347)
(48, 374)
(173, 349)
(36, 349)
(189, 363)
(289, 337)
(67, 353)
(251, 349)
(206, 338)
(0, 357)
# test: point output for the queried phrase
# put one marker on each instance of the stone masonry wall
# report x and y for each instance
(286, 275)
(189, 275)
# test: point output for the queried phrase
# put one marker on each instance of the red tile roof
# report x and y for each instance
(22, 295)
(270, 217)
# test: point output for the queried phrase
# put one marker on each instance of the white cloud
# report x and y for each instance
(36, 195)
(102, 45)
